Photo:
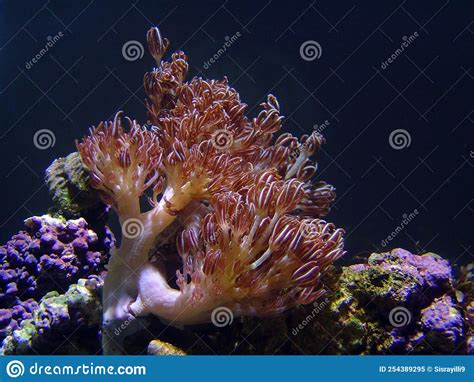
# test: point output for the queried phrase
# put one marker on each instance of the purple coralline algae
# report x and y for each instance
(465, 298)
(442, 323)
(10, 318)
(49, 255)
(66, 323)
(396, 303)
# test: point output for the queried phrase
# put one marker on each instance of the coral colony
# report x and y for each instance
(251, 239)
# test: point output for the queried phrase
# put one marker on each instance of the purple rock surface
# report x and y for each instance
(430, 275)
(411, 299)
(442, 323)
(49, 255)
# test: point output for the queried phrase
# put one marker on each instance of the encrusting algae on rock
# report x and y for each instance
(66, 323)
(49, 255)
(397, 303)
(68, 182)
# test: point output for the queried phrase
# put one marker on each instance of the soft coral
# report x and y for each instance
(251, 239)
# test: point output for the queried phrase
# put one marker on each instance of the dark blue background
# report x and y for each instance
(427, 90)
